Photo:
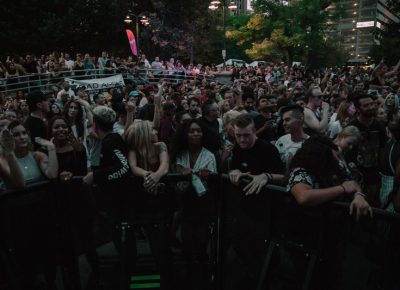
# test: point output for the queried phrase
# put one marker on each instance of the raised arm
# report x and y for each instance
(9, 168)
(393, 71)
(157, 108)
(48, 164)
(313, 122)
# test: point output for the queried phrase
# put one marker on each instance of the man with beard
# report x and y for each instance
(367, 154)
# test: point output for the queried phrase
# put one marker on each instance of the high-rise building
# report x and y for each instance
(354, 28)
(241, 7)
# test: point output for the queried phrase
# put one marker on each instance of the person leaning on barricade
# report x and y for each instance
(113, 163)
(31, 216)
(317, 177)
(111, 177)
(259, 162)
(190, 156)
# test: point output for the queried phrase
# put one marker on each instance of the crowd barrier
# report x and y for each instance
(264, 241)
(46, 81)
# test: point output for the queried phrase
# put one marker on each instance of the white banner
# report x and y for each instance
(98, 84)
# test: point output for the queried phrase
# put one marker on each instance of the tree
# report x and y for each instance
(289, 33)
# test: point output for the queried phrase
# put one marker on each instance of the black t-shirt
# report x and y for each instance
(113, 162)
(263, 157)
(366, 154)
(73, 161)
(36, 128)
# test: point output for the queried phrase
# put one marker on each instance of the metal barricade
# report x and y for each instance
(278, 243)
(46, 81)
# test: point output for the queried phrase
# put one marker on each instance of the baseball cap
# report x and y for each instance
(133, 94)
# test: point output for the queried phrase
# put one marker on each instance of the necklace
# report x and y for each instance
(24, 161)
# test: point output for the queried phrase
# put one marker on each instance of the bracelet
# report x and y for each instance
(344, 189)
(269, 176)
(360, 193)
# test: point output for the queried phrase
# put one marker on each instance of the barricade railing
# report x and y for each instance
(370, 242)
(46, 81)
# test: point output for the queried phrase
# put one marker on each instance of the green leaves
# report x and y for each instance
(282, 32)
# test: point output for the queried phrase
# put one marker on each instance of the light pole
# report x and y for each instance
(214, 5)
(144, 20)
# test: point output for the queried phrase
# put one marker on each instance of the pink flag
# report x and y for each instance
(132, 41)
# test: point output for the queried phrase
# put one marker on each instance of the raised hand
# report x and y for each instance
(7, 141)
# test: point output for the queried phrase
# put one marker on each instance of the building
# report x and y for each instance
(241, 7)
(354, 28)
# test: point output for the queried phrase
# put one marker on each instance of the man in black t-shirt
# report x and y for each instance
(253, 157)
(259, 161)
(367, 154)
(36, 123)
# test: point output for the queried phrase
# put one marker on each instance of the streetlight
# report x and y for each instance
(128, 20)
(214, 5)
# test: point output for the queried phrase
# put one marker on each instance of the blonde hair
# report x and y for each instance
(349, 131)
(341, 112)
(138, 139)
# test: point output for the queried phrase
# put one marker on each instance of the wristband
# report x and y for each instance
(360, 193)
(344, 189)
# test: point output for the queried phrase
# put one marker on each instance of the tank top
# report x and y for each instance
(30, 169)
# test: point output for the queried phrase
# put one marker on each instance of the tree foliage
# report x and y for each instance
(289, 33)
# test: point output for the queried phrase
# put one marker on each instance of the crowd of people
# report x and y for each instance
(323, 134)
(58, 65)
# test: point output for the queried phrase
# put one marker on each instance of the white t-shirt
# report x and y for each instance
(69, 64)
(334, 128)
(205, 160)
(287, 148)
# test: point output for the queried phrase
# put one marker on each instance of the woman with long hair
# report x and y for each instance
(23, 110)
(148, 160)
(79, 118)
(344, 115)
(36, 263)
(35, 165)
(391, 103)
(147, 157)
